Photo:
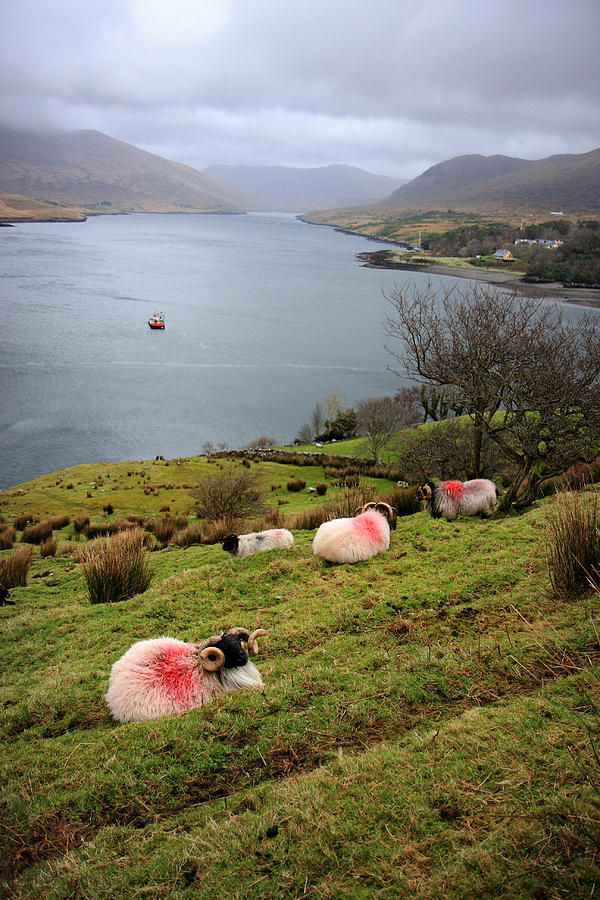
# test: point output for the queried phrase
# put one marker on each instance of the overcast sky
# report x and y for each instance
(392, 86)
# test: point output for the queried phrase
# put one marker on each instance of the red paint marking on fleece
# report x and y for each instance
(174, 672)
(454, 489)
(369, 526)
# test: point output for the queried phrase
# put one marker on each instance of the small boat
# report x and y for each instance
(156, 320)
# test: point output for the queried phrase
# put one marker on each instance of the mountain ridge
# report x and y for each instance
(91, 171)
(293, 189)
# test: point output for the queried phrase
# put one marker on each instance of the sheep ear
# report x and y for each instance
(212, 659)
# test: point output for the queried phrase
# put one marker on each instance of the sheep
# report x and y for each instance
(240, 545)
(449, 499)
(4, 595)
(163, 676)
(356, 539)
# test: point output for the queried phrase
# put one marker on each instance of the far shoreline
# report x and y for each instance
(577, 296)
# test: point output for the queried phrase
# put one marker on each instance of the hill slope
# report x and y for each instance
(493, 185)
(94, 172)
(426, 727)
(297, 190)
(570, 182)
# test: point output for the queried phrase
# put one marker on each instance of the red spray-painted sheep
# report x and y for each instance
(358, 538)
(163, 676)
(449, 499)
(240, 545)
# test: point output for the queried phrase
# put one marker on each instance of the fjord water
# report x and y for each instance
(264, 316)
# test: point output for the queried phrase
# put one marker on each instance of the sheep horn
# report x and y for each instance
(212, 659)
(252, 644)
(241, 633)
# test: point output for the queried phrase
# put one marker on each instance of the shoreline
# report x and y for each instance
(582, 296)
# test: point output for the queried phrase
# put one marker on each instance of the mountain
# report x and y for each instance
(297, 190)
(569, 182)
(491, 185)
(96, 173)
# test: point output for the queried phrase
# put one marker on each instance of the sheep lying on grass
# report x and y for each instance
(449, 499)
(163, 676)
(256, 541)
(355, 539)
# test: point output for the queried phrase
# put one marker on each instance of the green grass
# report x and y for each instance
(426, 728)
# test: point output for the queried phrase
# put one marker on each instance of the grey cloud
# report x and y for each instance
(390, 84)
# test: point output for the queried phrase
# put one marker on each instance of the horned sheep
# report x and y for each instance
(240, 545)
(164, 676)
(449, 499)
(355, 539)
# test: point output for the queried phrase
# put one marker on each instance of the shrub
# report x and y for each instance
(191, 534)
(14, 569)
(295, 485)
(59, 522)
(37, 534)
(116, 568)
(23, 520)
(403, 500)
(347, 500)
(108, 509)
(80, 523)
(105, 529)
(321, 488)
(273, 519)
(310, 518)
(7, 537)
(573, 549)
(49, 547)
(227, 495)
(163, 529)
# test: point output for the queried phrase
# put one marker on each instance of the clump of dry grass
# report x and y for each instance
(37, 534)
(15, 569)
(116, 568)
(7, 537)
(573, 549)
(49, 547)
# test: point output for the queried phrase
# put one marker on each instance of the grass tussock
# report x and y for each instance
(15, 569)
(573, 550)
(116, 568)
(37, 534)
(8, 536)
(49, 547)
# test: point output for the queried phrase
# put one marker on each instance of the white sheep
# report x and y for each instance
(355, 539)
(256, 541)
(449, 499)
(163, 676)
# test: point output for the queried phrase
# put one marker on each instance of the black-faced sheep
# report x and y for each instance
(163, 676)
(240, 545)
(4, 595)
(449, 499)
(356, 539)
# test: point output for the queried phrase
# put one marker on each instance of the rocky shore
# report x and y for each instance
(580, 296)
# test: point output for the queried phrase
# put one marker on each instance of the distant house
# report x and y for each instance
(503, 254)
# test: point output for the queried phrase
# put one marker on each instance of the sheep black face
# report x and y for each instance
(231, 646)
(231, 543)
(4, 595)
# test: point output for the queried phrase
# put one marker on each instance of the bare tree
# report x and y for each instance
(378, 418)
(227, 495)
(305, 433)
(409, 401)
(316, 420)
(333, 406)
(527, 378)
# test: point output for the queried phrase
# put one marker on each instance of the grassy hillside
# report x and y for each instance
(426, 727)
